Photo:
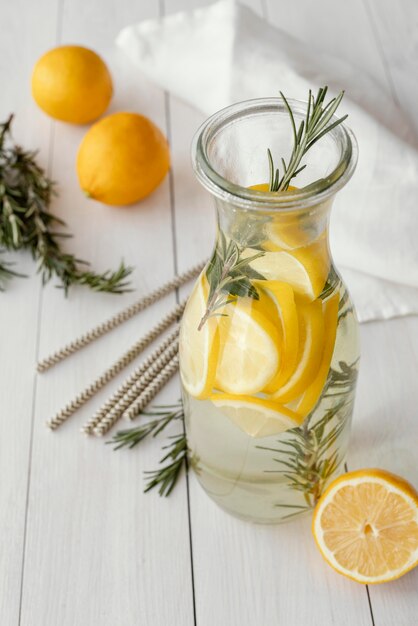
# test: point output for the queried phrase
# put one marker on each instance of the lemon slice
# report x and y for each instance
(261, 187)
(283, 298)
(284, 233)
(309, 355)
(256, 416)
(366, 526)
(289, 232)
(249, 355)
(305, 269)
(198, 349)
(311, 395)
(286, 237)
(266, 187)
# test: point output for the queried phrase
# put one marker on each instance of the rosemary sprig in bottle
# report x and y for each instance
(305, 458)
(229, 275)
(27, 224)
(165, 477)
(315, 125)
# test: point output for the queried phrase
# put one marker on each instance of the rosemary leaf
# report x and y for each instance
(164, 477)
(131, 437)
(315, 126)
(229, 276)
(303, 458)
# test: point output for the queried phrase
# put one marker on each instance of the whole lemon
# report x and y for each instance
(72, 84)
(122, 159)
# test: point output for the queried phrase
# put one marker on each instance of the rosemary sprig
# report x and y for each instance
(131, 437)
(229, 275)
(165, 477)
(332, 283)
(311, 129)
(27, 224)
(340, 382)
(304, 458)
(307, 466)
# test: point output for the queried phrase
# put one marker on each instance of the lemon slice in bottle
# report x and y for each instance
(198, 349)
(282, 296)
(305, 269)
(287, 236)
(312, 393)
(249, 356)
(309, 355)
(257, 417)
(288, 232)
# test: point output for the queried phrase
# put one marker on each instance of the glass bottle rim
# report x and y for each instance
(244, 197)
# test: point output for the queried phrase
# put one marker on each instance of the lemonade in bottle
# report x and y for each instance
(269, 344)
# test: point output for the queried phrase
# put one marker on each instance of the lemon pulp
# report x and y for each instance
(366, 526)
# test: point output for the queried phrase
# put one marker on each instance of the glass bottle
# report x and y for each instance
(269, 344)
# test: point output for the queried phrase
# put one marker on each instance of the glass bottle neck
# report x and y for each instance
(274, 231)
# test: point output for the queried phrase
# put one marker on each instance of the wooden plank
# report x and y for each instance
(98, 550)
(247, 574)
(393, 413)
(385, 433)
(19, 305)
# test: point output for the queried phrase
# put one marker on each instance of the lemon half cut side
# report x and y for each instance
(366, 526)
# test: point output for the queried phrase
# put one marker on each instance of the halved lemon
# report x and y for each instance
(305, 269)
(198, 349)
(309, 355)
(366, 526)
(283, 297)
(249, 355)
(311, 395)
(256, 416)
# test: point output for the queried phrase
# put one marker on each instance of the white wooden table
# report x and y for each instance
(80, 544)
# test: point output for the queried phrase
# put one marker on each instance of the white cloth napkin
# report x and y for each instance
(224, 53)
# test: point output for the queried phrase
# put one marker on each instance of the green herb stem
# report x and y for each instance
(229, 275)
(305, 459)
(164, 477)
(312, 128)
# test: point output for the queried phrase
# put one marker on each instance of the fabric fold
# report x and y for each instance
(224, 53)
